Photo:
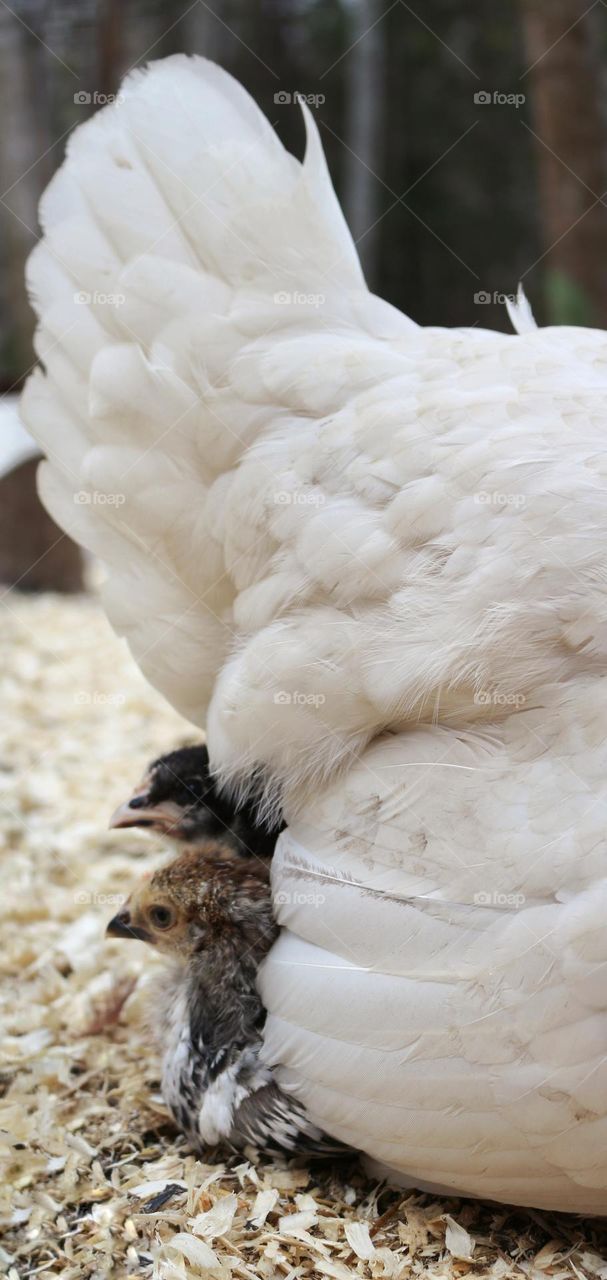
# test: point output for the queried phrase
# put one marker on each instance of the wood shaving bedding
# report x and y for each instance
(96, 1182)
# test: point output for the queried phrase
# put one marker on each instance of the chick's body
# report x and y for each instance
(214, 920)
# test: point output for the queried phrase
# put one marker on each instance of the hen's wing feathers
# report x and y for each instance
(437, 994)
(175, 220)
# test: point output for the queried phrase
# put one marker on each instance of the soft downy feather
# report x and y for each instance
(520, 313)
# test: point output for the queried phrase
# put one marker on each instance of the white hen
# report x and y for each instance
(322, 523)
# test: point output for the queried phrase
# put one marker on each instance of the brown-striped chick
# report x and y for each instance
(213, 920)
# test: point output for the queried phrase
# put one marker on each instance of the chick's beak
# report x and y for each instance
(121, 927)
(136, 812)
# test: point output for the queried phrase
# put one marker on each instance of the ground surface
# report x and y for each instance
(96, 1181)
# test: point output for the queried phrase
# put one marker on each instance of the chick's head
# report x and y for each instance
(173, 796)
(198, 902)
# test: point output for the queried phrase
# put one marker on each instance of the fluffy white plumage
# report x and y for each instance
(322, 523)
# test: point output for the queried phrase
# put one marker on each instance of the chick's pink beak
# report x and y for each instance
(135, 812)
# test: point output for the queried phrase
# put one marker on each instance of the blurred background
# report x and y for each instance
(467, 140)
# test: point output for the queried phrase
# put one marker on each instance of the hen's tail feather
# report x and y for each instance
(519, 310)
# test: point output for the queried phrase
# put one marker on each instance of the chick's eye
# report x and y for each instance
(162, 917)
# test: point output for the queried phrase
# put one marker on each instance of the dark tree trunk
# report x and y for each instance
(564, 79)
(34, 553)
(364, 117)
(24, 168)
(111, 45)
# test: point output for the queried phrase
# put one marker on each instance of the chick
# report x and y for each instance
(213, 919)
(178, 798)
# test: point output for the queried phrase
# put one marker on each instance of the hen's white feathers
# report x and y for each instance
(175, 220)
(438, 990)
(519, 310)
(321, 522)
(354, 522)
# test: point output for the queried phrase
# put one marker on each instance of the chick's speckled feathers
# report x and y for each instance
(214, 919)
